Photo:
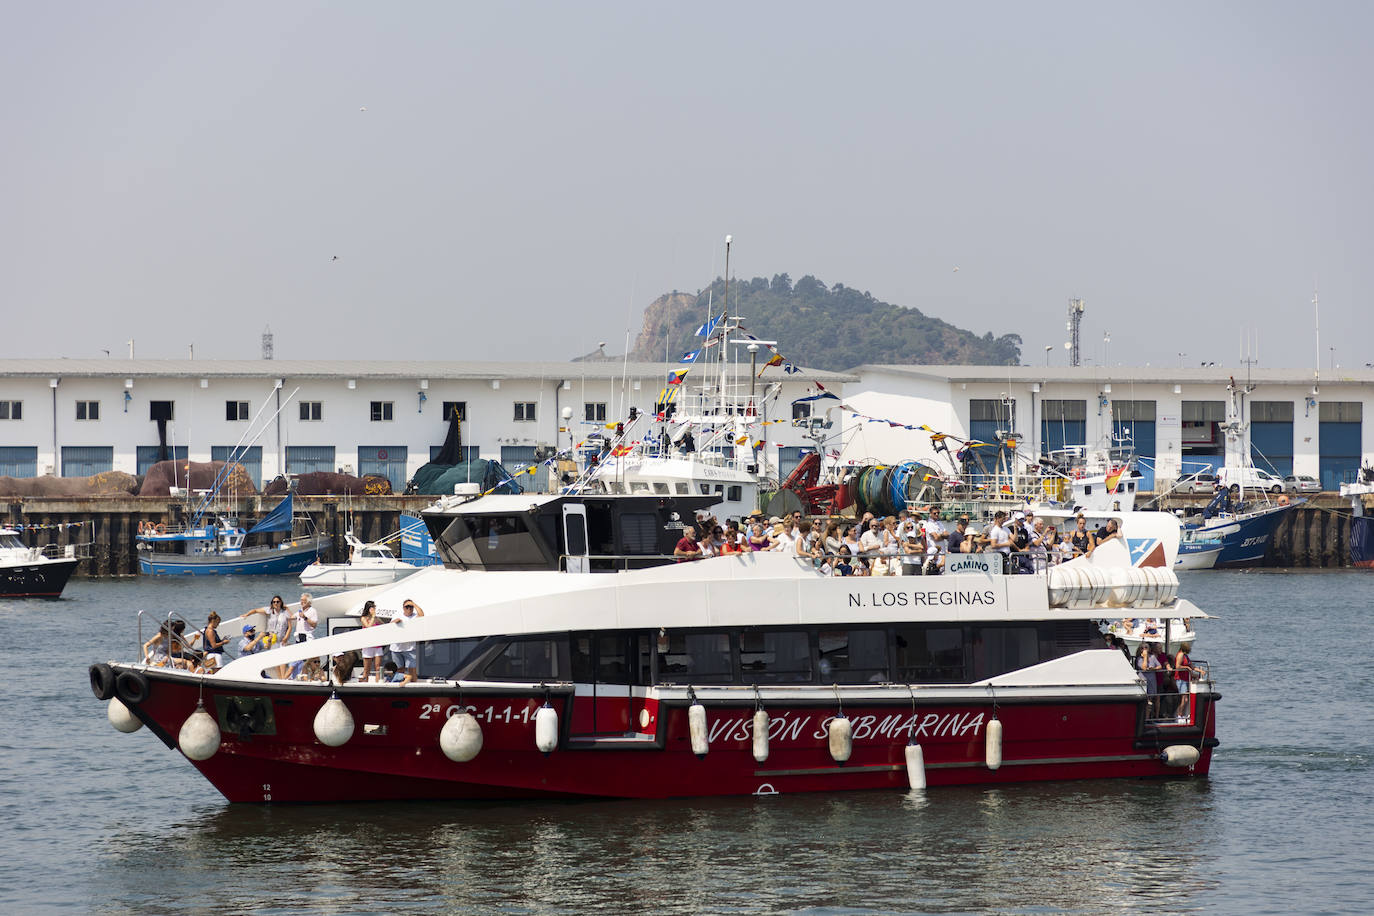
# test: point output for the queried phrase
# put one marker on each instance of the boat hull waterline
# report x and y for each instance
(44, 579)
(397, 735)
(252, 562)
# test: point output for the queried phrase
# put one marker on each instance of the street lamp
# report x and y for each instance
(1048, 348)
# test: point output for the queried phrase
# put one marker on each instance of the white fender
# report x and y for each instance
(915, 766)
(841, 734)
(121, 718)
(696, 728)
(1180, 755)
(546, 729)
(994, 744)
(461, 737)
(199, 735)
(333, 723)
(761, 736)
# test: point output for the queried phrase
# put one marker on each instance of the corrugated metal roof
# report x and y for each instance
(383, 369)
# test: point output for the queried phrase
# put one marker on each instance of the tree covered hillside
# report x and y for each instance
(823, 327)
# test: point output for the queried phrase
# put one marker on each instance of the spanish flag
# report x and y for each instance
(774, 360)
(620, 451)
(1114, 478)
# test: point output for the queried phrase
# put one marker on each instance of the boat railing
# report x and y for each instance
(1016, 564)
(1170, 706)
(172, 617)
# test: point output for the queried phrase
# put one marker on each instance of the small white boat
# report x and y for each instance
(368, 564)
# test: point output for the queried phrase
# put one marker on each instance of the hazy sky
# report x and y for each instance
(527, 176)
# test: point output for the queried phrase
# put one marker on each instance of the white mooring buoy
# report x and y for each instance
(760, 735)
(461, 737)
(1180, 755)
(333, 723)
(915, 765)
(994, 744)
(696, 729)
(841, 738)
(546, 729)
(121, 718)
(199, 735)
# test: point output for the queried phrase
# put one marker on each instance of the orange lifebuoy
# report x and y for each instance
(1283, 500)
(160, 528)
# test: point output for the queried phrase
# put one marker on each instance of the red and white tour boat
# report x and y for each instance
(564, 653)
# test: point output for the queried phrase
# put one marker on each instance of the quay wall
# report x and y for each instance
(115, 522)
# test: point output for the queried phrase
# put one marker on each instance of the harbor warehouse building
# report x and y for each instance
(75, 418)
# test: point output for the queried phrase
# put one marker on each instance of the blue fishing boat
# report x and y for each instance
(216, 545)
(1243, 530)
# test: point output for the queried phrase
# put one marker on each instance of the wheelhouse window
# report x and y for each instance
(88, 410)
(734, 494)
(595, 413)
(381, 411)
(235, 411)
(491, 542)
(524, 411)
(312, 410)
(999, 649)
(801, 411)
(11, 410)
(442, 657)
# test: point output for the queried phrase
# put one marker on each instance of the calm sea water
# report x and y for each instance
(95, 821)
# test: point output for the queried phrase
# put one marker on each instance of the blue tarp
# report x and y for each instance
(279, 519)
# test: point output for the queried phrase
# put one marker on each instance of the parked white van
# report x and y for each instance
(1250, 479)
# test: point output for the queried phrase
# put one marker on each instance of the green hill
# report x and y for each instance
(823, 327)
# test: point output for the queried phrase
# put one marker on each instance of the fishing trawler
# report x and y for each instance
(584, 659)
(212, 544)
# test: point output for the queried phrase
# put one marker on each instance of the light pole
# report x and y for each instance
(1048, 348)
(1107, 349)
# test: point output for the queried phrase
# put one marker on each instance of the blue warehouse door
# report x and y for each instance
(516, 457)
(387, 461)
(19, 461)
(1338, 438)
(147, 456)
(303, 459)
(250, 456)
(87, 460)
(1271, 447)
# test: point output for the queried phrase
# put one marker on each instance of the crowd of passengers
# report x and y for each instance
(203, 651)
(913, 542)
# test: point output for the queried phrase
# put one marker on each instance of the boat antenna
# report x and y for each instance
(223, 474)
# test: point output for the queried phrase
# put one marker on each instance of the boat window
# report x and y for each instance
(772, 656)
(639, 532)
(660, 488)
(930, 655)
(442, 657)
(525, 660)
(853, 656)
(705, 489)
(694, 658)
(997, 650)
(605, 658)
(682, 489)
(638, 486)
(734, 494)
(491, 541)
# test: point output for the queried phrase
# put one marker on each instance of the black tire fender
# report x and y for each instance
(131, 687)
(102, 681)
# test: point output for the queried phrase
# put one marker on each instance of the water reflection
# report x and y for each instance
(1090, 846)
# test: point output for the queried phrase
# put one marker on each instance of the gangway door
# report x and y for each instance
(575, 537)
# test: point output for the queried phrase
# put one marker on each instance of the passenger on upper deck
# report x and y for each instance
(954, 542)
(1106, 533)
(758, 540)
(871, 541)
(1081, 539)
(687, 547)
(999, 538)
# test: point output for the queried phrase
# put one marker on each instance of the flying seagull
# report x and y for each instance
(956, 270)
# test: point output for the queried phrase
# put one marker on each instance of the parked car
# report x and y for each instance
(1202, 482)
(1251, 479)
(1301, 483)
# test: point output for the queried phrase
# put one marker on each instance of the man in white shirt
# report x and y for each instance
(306, 619)
(999, 539)
(936, 536)
(872, 540)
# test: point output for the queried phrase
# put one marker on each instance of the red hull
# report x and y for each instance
(1045, 740)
